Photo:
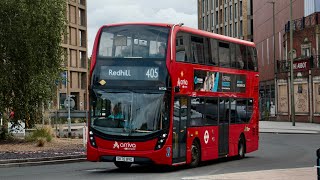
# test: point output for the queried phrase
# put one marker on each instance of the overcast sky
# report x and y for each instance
(102, 12)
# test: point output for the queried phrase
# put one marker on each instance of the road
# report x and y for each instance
(277, 151)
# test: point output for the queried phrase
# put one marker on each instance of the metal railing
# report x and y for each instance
(284, 65)
(304, 22)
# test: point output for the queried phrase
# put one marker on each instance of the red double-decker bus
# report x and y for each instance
(169, 94)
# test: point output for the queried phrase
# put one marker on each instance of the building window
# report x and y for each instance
(82, 2)
(240, 6)
(235, 10)
(305, 48)
(208, 5)
(217, 16)
(225, 31)
(203, 23)
(230, 31)
(213, 4)
(62, 98)
(83, 40)
(225, 15)
(230, 15)
(240, 29)
(82, 17)
(208, 20)
(235, 29)
(212, 17)
(82, 55)
(203, 6)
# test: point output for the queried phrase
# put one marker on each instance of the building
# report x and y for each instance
(272, 38)
(227, 17)
(76, 61)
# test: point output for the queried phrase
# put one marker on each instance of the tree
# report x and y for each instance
(30, 55)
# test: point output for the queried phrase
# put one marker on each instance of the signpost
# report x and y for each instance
(69, 103)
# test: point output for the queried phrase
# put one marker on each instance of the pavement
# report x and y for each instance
(265, 127)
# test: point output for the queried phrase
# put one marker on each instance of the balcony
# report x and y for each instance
(302, 23)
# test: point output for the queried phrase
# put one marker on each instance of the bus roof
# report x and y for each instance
(189, 29)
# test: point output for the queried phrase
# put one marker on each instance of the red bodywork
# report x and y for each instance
(185, 71)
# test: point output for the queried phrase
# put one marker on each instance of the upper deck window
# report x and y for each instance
(133, 41)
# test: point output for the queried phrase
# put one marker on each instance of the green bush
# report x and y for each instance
(4, 135)
(41, 133)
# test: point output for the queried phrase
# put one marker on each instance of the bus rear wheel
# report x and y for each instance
(195, 154)
(241, 148)
(122, 165)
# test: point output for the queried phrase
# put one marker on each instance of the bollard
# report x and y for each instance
(84, 136)
(318, 163)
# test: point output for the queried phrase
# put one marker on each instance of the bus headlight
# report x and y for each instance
(92, 139)
(161, 140)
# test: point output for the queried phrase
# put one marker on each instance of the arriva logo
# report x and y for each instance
(183, 83)
(116, 145)
(125, 146)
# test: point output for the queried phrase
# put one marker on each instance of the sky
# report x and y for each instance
(101, 12)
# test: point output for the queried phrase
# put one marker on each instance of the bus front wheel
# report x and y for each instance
(241, 148)
(122, 165)
(195, 154)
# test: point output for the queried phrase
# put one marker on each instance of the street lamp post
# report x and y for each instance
(291, 68)
(274, 55)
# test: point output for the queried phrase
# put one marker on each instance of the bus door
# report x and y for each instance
(224, 106)
(179, 140)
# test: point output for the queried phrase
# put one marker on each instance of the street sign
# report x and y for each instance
(66, 103)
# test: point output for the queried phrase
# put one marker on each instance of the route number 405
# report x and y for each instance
(152, 73)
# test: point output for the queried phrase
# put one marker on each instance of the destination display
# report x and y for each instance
(137, 73)
(210, 81)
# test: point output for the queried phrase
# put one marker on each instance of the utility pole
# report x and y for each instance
(274, 56)
(69, 104)
(291, 68)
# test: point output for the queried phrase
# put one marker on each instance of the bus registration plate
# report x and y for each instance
(125, 159)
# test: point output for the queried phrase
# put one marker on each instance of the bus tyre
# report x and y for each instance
(195, 154)
(123, 165)
(241, 148)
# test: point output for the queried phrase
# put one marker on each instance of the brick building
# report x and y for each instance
(76, 61)
(274, 72)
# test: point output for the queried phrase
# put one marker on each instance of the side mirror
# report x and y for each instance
(176, 89)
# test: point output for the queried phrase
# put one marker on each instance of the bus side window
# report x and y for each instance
(243, 55)
(212, 111)
(213, 60)
(252, 59)
(239, 58)
(197, 50)
(224, 54)
(183, 47)
(197, 112)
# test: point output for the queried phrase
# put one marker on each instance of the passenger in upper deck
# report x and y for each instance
(161, 51)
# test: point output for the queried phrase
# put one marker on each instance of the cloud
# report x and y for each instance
(111, 11)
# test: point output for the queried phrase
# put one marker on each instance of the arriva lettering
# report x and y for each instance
(119, 73)
(125, 146)
(128, 145)
(183, 83)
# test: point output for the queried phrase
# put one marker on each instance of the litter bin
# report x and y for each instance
(318, 163)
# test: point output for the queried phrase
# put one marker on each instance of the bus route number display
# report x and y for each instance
(137, 73)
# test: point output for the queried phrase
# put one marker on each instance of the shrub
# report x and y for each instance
(4, 135)
(41, 142)
(40, 134)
